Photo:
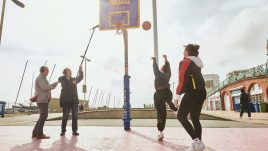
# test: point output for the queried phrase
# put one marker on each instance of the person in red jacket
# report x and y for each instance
(192, 85)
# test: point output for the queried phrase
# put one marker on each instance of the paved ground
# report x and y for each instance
(107, 134)
(257, 118)
(17, 138)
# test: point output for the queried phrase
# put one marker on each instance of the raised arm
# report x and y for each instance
(43, 85)
(156, 68)
(80, 75)
(158, 73)
(167, 65)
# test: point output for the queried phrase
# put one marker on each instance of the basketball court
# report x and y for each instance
(17, 138)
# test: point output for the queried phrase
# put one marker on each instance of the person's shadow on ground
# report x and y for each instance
(63, 144)
(167, 144)
(32, 146)
(66, 145)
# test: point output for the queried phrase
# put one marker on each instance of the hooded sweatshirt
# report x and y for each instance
(161, 79)
(190, 76)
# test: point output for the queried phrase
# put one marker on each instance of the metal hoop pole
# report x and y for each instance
(127, 105)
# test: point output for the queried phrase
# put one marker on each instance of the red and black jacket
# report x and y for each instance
(190, 77)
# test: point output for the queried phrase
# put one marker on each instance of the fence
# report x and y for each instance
(259, 70)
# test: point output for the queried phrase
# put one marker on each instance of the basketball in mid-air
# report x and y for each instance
(146, 25)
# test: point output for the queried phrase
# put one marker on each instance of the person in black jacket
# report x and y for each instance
(162, 94)
(244, 103)
(69, 98)
(192, 85)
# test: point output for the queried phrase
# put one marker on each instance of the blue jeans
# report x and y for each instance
(66, 111)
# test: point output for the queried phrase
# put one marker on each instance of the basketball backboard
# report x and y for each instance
(125, 13)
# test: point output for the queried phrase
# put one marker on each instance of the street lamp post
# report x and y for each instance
(18, 3)
(85, 84)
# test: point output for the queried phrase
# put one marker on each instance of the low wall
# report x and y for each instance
(118, 114)
(135, 114)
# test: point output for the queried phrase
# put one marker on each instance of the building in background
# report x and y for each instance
(211, 80)
(227, 93)
(256, 86)
(212, 102)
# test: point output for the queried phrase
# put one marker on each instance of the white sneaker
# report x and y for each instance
(160, 137)
(197, 145)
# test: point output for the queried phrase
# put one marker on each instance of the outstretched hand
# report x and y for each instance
(74, 82)
(80, 68)
(55, 84)
(165, 57)
(176, 101)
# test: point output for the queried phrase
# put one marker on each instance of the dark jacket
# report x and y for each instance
(244, 99)
(68, 94)
(190, 76)
(161, 79)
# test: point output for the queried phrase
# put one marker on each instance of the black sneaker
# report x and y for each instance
(62, 133)
(34, 135)
(43, 136)
(75, 133)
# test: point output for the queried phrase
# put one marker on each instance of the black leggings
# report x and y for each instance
(160, 99)
(192, 103)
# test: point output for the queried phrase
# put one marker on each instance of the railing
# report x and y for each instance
(250, 73)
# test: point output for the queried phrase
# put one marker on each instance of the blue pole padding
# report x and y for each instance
(127, 105)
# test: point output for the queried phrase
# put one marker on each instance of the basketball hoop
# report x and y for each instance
(118, 28)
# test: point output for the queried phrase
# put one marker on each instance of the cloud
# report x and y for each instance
(230, 32)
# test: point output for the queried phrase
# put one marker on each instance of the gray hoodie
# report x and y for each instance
(161, 79)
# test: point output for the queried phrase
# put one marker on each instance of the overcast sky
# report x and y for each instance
(232, 35)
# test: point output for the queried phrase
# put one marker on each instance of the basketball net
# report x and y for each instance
(118, 28)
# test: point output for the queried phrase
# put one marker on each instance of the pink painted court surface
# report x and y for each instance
(18, 138)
